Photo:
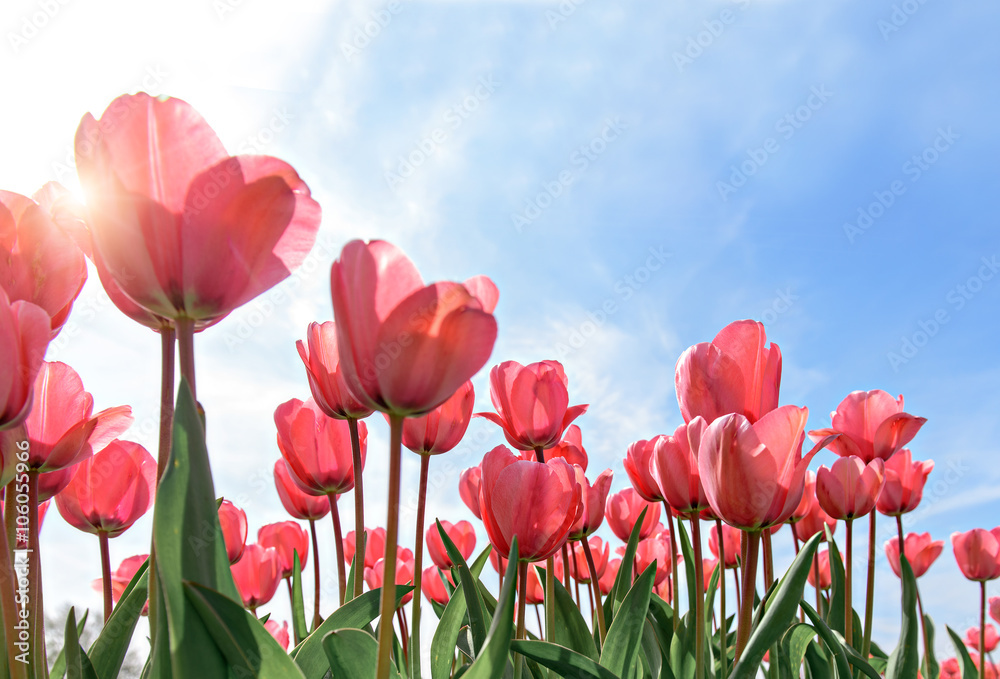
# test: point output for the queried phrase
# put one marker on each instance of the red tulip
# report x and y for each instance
(734, 373)
(298, 503)
(535, 592)
(280, 633)
(978, 553)
(950, 669)
(593, 499)
(184, 229)
(42, 265)
(537, 502)
(821, 562)
(623, 511)
(849, 488)
(904, 483)
(675, 467)
(406, 347)
(754, 474)
(61, 429)
(233, 522)
(326, 379)
(432, 585)
(989, 670)
(972, 638)
(920, 550)
(110, 490)
(121, 577)
(286, 538)
(404, 573)
(570, 448)
(374, 546)
(461, 533)
(532, 403)
(607, 581)
(317, 448)
(24, 337)
(441, 429)
(639, 467)
(468, 489)
(579, 568)
(656, 548)
(257, 575)
(871, 424)
(815, 520)
(731, 544)
(995, 608)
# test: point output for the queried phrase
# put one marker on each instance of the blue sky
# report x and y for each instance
(827, 170)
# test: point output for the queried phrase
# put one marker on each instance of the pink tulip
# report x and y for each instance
(570, 448)
(579, 568)
(121, 577)
(815, 520)
(532, 403)
(904, 483)
(675, 468)
(593, 499)
(432, 586)
(374, 575)
(233, 522)
(731, 544)
(535, 593)
(920, 550)
(849, 488)
(298, 503)
(51, 484)
(639, 467)
(286, 538)
(655, 548)
(871, 425)
(468, 489)
(326, 378)
(734, 373)
(461, 533)
(978, 553)
(374, 546)
(821, 562)
(991, 638)
(441, 429)
(607, 580)
(185, 230)
(995, 608)
(950, 669)
(406, 347)
(622, 511)
(257, 575)
(24, 337)
(280, 633)
(317, 448)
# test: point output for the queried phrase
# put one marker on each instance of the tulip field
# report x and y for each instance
(181, 234)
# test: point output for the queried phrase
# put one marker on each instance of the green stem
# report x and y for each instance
(566, 576)
(723, 636)
(673, 563)
(751, 551)
(418, 563)
(550, 578)
(899, 533)
(391, 534)
(360, 535)
(106, 574)
(185, 351)
(866, 644)
(595, 587)
(338, 543)
(699, 600)
(923, 633)
(522, 595)
(315, 543)
(768, 560)
(848, 577)
(168, 338)
(982, 628)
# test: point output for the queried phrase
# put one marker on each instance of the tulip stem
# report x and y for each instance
(315, 543)
(723, 640)
(673, 563)
(595, 587)
(391, 534)
(338, 543)
(751, 548)
(106, 574)
(923, 632)
(870, 593)
(982, 627)
(403, 633)
(538, 617)
(566, 577)
(418, 564)
(8, 582)
(848, 568)
(819, 599)
(550, 579)
(168, 339)
(522, 595)
(699, 599)
(899, 533)
(360, 534)
(185, 350)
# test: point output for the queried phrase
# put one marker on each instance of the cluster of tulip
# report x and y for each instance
(181, 234)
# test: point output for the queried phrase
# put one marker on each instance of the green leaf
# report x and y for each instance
(817, 663)
(473, 603)
(299, 627)
(353, 653)
(650, 656)
(352, 575)
(78, 665)
(446, 634)
(835, 613)
(571, 629)
(187, 546)
(310, 655)
(491, 661)
(794, 645)
(857, 661)
(832, 641)
(682, 660)
(109, 650)
(969, 670)
(905, 659)
(625, 634)
(688, 553)
(623, 580)
(248, 647)
(934, 668)
(59, 665)
(779, 611)
(563, 661)
(662, 618)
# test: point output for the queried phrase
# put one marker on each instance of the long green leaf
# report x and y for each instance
(473, 603)
(625, 634)
(817, 663)
(934, 668)
(353, 653)
(833, 641)
(969, 670)
(109, 649)
(682, 660)
(492, 660)
(794, 645)
(835, 613)
(904, 662)
(78, 665)
(563, 661)
(571, 629)
(59, 665)
(446, 634)
(623, 580)
(299, 628)
(688, 553)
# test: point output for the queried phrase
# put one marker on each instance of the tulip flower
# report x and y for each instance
(51, 484)
(24, 337)
(286, 538)
(43, 265)
(622, 512)
(821, 569)
(978, 555)
(811, 519)
(468, 489)
(607, 580)
(731, 544)
(535, 593)
(594, 497)
(950, 669)
(233, 522)
(904, 485)
(257, 575)
(298, 503)
(532, 403)
(433, 586)
(989, 633)
(580, 569)
(374, 576)
(461, 533)
(920, 550)
(122, 576)
(675, 468)
(871, 424)
(374, 546)
(655, 548)
(280, 633)
(850, 487)
(638, 464)
(995, 608)
(734, 373)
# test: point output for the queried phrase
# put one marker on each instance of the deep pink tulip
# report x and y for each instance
(257, 575)
(51, 484)
(109, 490)
(849, 488)
(317, 448)
(731, 544)
(972, 638)
(622, 511)
(995, 608)
(904, 483)
(279, 632)
(606, 581)
(921, 552)
(871, 424)
(375, 575)
(42, 264)
(989, 670)
(639, 467)
(432, 585)
(298, 503)
(461, 533)
(24, 337)
(675, 468)
(570, 448)
(537, 502)
(579, 568)
(593, 497)
(655, 548)
(374, 546)
(121, 577)
(754, 474)
(468, 489)
(233, 522)
(286, 538)
(808, 498)
(535, 593)
(406, 347)
(978, 553)
(737, 372)
(708, 569)
(950, 669)
(184, 229)
(62, 428)
(326, 379)
(821, 562)
(441, 429)
(816, 520)
(532, 403)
